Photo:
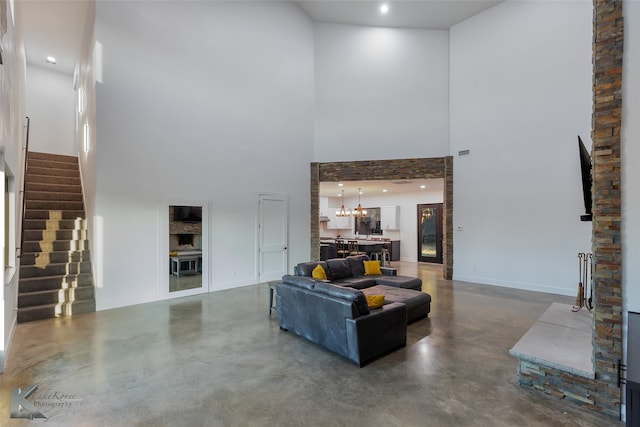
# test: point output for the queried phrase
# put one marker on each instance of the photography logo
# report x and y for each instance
(23, 408)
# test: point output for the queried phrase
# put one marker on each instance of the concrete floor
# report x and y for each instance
(219, 360)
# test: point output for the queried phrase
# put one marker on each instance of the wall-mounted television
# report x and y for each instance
(187, 213)
(587, 180)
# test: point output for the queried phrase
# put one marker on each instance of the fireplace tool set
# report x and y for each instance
(584, 267)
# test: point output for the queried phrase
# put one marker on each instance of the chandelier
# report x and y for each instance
(342, 211)
(359, 212)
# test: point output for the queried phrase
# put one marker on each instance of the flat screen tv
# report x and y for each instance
(187, 213)
(587, 181)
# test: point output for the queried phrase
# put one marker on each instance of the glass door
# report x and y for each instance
(430, 233)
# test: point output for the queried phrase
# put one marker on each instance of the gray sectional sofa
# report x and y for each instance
(334, 312)
(338, 319)
(350, 271)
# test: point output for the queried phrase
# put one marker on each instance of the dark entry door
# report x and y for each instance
(430, 233)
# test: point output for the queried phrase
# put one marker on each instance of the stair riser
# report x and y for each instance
(52, 180)
(56, 246)
(52, 164)
(52, 235)
(53, 214)
(54, 188)
(55, 224)
(32, 171)
(50, 311)
(51, 283)
(54, 257)
(49, 195)
(35, 155)
(55, 296)
(28, 271)
(54, 205)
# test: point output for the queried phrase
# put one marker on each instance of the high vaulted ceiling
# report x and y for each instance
(426, 14)
(56, 27)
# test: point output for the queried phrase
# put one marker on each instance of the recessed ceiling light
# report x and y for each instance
(340, 185)
(50, 60)
(423, 186)
(384, 8)
(385, 190)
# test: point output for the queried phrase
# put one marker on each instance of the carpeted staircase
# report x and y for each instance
(55, 264)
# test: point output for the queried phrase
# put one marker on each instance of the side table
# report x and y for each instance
(272, 289)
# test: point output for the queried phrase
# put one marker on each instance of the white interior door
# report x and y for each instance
(273, 237)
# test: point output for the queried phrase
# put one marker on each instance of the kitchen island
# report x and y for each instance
(328, 247)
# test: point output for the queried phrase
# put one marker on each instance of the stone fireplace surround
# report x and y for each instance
(601, 391)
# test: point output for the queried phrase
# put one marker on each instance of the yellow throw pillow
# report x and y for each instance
(375, 301)
(372, 268)
(319, 273)
(173, 253)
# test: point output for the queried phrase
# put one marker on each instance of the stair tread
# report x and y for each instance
(45, 156)
(54, 264)
(35, 279)
(40, 307)
(48, 291)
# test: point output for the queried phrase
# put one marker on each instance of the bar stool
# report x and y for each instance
(386, 254)
(341, 249)
(376, 252)
(354, 249)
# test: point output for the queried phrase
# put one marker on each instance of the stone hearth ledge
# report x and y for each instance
(559, 339)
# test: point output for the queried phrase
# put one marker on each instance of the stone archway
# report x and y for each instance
(398, 169)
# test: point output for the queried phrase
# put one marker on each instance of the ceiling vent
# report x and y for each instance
(402, 182)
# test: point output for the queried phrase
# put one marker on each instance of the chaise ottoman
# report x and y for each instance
(418, 303)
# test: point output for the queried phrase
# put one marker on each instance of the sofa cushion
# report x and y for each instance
(356, 264)
(360, 282)
(400, 282)
(300, 281)
(319, 273)
(338, 268)
(418, 303)
(349, 294)
(375, 301)
(306, 268)
(372, 268)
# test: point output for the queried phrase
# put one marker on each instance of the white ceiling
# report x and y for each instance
(53, 28)
(56, 27)
(426, 14)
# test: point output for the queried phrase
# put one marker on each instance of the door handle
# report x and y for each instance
(285, 248)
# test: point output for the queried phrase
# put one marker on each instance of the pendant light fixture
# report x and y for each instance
(359, 212)
(342, 211)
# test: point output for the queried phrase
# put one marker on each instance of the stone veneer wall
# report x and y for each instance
(608, 38)
(602, 394)
(371, 170)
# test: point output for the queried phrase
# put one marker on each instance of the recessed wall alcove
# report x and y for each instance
(397, 169)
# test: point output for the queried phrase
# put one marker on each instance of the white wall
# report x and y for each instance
(86, 115)
(520, 95)
(218, 111)
(381, 93)
(50, 106)
(12, 113)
